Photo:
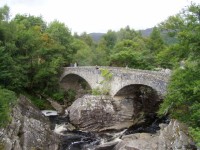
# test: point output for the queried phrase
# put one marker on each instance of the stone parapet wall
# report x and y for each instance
(121, 77)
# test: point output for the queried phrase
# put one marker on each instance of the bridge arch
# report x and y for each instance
(132, 89)
(70, 80)
(122, 77)
(89, 75)
(75, 83)
(155, 82)
(145, 100)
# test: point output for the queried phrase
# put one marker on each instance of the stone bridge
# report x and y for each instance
(122, 77)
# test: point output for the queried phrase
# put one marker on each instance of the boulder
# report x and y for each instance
(108, 145)
(98, 113)
(173, 136)
(138, 141)
(59, 108)
(29, 129)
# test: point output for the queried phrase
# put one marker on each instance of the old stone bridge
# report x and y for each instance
(122, 78)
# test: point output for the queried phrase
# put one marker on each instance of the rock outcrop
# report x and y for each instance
(98, 113)
(59, 108)
(175, 136)
(171, 137)
(28, 130)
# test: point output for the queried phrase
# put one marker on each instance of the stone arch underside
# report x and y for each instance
(75, 83)
(144, 100)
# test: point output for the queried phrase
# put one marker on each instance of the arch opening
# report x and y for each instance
(144, 100)
(75, 87)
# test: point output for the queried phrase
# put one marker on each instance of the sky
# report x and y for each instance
(99, 15)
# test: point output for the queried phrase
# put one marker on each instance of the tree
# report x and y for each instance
(132, 54)
(110, 39)
(84, 55)
(185, 26)
(86, 38)
(61, 34)
(127, 34)
(28, 42)
(4, 13)
(155, 43)
(104, 48)
(183, 98)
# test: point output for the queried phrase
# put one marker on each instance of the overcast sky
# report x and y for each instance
(99, 15)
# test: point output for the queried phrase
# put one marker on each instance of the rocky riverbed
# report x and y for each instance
(30, 129)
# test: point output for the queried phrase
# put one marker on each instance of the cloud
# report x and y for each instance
(28, 3)
(99, 15)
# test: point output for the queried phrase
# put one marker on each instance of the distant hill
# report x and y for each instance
(146, 32)
(96, 36)
(167, 39)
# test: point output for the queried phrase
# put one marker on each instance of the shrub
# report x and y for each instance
(70, 95)
(182, 101)
(7, 100)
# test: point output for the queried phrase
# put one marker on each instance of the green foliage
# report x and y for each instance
(127, 34)
(70, 95)
(169, 57)
(86, 39)
(84, 54)
(106, 74)
(38, 101)
(4, 13)
(104, 89)
(59, 96)
(195, 132)
(184, 95)
(155, 42)
(185, 27)
(96, 91)
(7, 101)
(183, 98)
(109, 39)
(133, 59)
(33, 53)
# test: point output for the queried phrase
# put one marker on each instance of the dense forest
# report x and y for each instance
(32, 54)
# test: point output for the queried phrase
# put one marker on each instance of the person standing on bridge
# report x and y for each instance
(75, 64)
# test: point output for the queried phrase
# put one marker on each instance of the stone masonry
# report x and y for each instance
(122, 77)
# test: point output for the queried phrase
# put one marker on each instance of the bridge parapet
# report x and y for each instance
(163, 73)
(121, 77)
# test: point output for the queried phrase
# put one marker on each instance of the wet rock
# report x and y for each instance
(173, 136)
(59, 108)
(28, 130)
(48, 113)
(98, 113)
(70, 127)
(60, 129)
(138, 141)
(108, 145)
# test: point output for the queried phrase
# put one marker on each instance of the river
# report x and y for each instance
(78, 140)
